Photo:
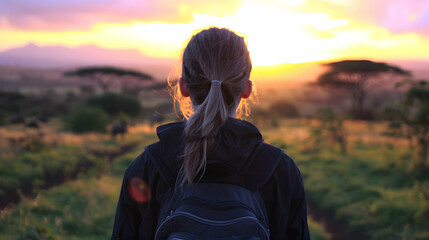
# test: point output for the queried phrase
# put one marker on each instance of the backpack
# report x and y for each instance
(219, 210)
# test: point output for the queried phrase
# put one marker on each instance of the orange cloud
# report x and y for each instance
(277, 31)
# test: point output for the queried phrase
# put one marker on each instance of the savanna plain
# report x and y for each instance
(60, 179)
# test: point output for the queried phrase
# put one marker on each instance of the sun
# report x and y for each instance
(277, 35)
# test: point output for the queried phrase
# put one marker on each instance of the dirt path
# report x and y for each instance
(336, 229)
(13, 197)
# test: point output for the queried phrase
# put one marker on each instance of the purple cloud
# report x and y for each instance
(398, 16)
(407, 16)
(80, 14)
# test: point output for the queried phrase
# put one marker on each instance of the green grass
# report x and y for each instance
(83, 208)
(80, 209)
(369, 189)
(35, 166)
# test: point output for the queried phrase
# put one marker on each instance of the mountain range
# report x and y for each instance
(49, 57)
(35, 56)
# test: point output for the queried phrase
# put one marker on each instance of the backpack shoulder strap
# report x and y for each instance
(263, 164)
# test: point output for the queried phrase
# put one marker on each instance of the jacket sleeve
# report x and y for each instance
(297, 220)
(285, 202)
(136, 219)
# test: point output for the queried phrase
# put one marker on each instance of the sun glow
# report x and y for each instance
(275, 35)
(276, 32)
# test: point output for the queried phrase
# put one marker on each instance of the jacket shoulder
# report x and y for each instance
(139, 166)
(154, 155)
(288, 175)
(263, 165)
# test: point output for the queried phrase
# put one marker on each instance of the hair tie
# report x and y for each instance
(216, 81)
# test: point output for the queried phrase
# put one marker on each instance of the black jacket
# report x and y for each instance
(279, 182)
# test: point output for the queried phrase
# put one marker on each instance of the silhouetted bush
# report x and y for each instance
(87, 119)
(364, 114)
(11, 101)
(2, 118)
(46, 104)
(284, 108)
(113, 104)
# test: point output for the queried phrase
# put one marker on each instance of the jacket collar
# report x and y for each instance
(235, 143)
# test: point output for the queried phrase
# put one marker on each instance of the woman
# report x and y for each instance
(212, 145)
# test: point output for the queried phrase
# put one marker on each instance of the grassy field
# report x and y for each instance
(369, 190)
(82, 208)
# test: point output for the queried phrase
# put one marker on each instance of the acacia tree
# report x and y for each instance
(414, 114)
(355, 76)
(107, 77)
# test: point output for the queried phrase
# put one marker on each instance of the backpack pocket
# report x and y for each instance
(202, 216)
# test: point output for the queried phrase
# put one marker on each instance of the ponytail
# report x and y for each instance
(200, 131)
(211, 54)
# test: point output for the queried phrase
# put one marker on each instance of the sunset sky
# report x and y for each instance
(277, 31)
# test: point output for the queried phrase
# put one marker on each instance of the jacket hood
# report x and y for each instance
(235, 144)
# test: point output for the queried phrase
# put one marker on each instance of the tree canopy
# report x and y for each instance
(365, 66)
(105, 77)
(355, 76)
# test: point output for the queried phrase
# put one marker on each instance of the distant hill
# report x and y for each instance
(34, 56)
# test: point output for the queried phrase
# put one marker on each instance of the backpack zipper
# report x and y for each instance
(214, 222)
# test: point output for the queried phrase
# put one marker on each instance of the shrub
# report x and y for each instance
(11, 101)
(413, 113)
(2, 118)
(87, 119)
(331, 127)
(284, 108)
(114, 103)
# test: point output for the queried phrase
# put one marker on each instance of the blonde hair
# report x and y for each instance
(212, 54)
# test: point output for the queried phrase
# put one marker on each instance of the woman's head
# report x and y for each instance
(215, 75)
(216, 54)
